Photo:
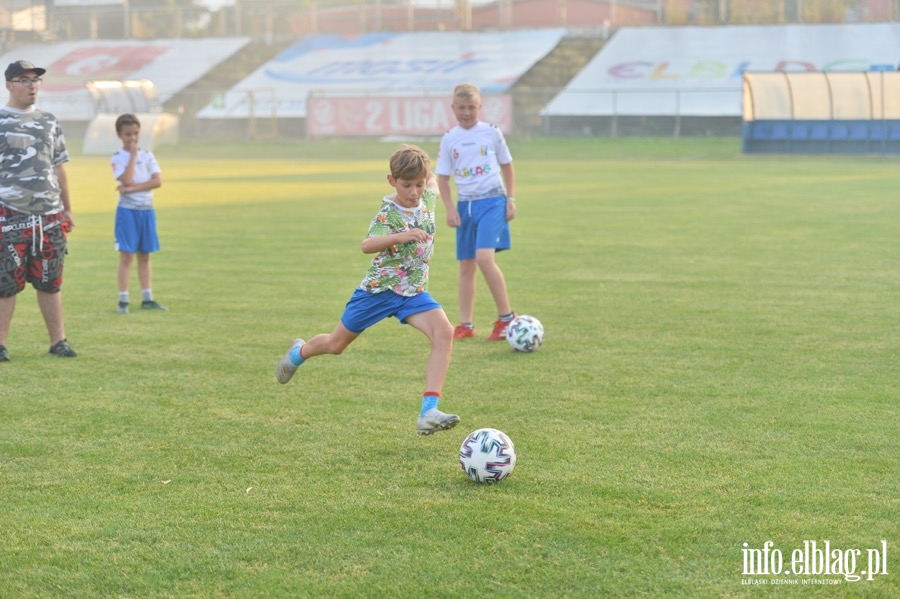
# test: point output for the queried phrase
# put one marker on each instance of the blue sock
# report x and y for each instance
(429, 401)
(296, 358)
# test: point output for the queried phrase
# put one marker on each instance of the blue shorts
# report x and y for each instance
(366, 309)
(483, 225)
(136, 231)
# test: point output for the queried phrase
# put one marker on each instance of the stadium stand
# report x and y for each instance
(619, 68)
(188, 101)
(546, 78)
(687, 80)
(364, 85)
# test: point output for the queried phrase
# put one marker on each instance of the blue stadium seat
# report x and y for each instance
(892, 137)
(809, 137)
(818, 131)
(760, 130)
(779, 131)
(765, 136)
(855, 139)
(799, 131)
(839, 131)
(858, 132)
(839, 136)
(877, 131)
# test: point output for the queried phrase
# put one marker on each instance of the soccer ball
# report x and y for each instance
(487, 456)
(525, 333)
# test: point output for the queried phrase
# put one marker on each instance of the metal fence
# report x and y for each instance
(672, 119)
(623, 112)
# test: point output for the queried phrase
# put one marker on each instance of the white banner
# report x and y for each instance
(380, 115)
(385, 64)
(697, 71)
(171, 65)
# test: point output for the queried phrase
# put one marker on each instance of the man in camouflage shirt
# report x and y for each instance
(35, 211)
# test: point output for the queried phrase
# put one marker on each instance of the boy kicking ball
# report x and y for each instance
(402, 237)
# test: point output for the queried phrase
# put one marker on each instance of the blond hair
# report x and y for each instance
(466, 90)
(409, 163)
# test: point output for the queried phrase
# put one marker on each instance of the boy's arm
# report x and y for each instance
(377, 243)
(127, 176)
(126, 179)
(509, 183)
(63, 180)
(443, 183)
(509, 179)
(154, 182)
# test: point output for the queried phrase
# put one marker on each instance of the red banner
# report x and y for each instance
(69, 72)
(408, 115)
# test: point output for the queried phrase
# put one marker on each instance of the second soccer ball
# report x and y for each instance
(525, 333)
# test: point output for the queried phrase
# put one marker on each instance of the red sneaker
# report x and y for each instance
(499, 332)
(462, 331)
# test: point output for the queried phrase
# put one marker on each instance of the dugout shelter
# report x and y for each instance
(113, 98)
(837, 112)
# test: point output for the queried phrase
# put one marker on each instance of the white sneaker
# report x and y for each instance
(286, 369)
(434, 420)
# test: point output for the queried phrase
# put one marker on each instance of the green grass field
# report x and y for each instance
(720, 368)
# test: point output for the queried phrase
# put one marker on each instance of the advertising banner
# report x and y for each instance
(384, 64)
(697, 71)
(171, 64)
(381, 116)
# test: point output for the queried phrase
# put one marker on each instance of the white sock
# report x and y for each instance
(123, 296)
(147, 295)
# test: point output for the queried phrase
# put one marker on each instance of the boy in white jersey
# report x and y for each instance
(476, 154)
(138, 174)
(402, 237)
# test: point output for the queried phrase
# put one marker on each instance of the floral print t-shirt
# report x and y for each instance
(402, 268)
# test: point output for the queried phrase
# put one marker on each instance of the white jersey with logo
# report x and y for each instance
(145, 167)
(473, 157)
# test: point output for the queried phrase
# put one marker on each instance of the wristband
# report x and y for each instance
(511, 199)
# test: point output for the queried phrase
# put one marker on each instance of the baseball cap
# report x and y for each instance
(22, 66)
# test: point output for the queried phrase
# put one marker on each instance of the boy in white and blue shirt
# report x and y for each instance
(138, 174)
(475, 155)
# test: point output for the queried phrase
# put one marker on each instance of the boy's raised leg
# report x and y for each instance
(434, 420)
(287, 366)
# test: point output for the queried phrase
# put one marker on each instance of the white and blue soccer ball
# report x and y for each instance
(525, 333)
(487, 455)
